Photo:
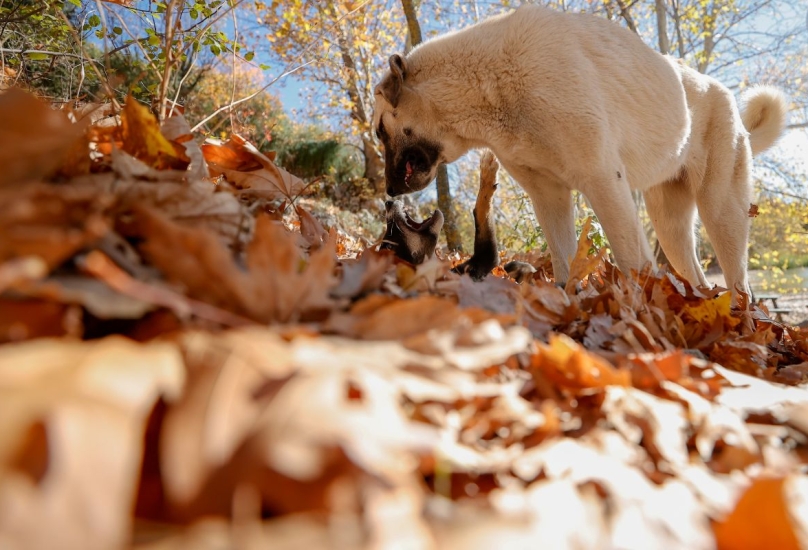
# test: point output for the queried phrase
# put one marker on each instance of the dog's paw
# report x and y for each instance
(476, 268)
(519, 271)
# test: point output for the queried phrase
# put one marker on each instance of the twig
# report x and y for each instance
(47, 52)
(100, 76)
(224, 108)
(100, 266)
(220, 110)
(233, 88)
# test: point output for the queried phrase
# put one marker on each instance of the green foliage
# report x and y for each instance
(68, 50)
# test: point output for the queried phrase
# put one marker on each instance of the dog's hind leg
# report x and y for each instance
(672, 208)
(723, 200)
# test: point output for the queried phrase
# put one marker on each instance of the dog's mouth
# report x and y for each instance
(396, 213)
(412, 170)
(415, 161)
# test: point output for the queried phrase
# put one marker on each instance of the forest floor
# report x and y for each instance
(191, 359)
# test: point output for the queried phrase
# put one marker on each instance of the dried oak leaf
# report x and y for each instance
(278, 283)
(247, 168)
(569, 365)
(72, 422)
(36, 140)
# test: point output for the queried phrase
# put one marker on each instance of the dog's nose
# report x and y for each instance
(388, 204)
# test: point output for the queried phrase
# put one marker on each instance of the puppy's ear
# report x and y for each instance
(391, 86)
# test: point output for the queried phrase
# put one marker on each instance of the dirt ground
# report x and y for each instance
(798, 304)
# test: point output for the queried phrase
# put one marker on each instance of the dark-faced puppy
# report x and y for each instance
(411, 241)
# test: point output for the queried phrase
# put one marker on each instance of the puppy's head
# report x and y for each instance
(408, 128)
(410, 240)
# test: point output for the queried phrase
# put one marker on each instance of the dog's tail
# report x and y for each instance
(764, 115)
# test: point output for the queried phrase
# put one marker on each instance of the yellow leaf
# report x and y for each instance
(143, 140)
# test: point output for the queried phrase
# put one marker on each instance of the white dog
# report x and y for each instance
(572, 101)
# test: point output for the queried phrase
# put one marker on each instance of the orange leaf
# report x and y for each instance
(760, 520)
(569, 365)
(247, 168)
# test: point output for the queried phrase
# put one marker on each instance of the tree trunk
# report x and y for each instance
(453, 240)
(662, 26)
(374, 166)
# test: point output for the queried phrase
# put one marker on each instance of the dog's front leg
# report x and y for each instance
(486, 252)
(614, 206)
(555, 212)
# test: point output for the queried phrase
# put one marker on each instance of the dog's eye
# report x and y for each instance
(407, 132)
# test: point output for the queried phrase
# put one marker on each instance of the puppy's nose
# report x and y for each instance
(388, 204)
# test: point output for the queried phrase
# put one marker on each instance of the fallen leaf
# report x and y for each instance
(277, 285)
(567, 364)
(51, 223)
(247, 168)
(36, 139)
(143, 139)
(584, 264)
(760, 519)
(92, 400)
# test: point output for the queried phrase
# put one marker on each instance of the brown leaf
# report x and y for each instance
(388, 318)
(364, 275)
(278, 284)
(27, 319)
(36, 139)
(177, 130)
(311, 229)
(52, 223)
(91, 400)
(247, 168)
(583, 264)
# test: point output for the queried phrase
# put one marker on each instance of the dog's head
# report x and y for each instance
(407, 126)
(410, 240)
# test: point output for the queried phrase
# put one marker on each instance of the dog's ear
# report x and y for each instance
(391, 86)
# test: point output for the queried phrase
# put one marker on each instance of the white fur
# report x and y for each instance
(569, 101)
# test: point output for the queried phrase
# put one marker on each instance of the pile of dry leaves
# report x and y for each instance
(190, 361)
